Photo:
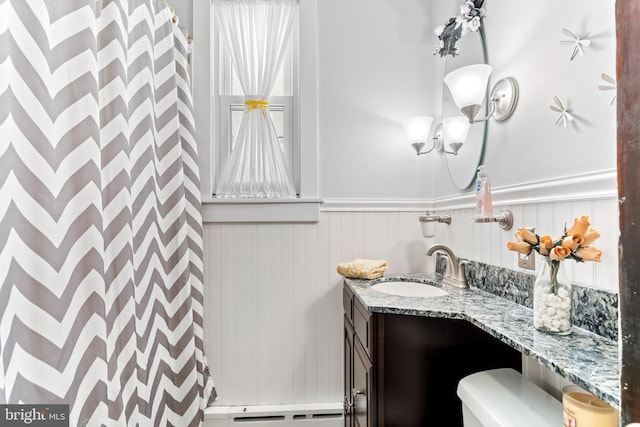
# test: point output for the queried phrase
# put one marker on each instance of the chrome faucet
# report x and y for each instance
(454, 274)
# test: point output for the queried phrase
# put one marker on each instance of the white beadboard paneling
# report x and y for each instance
(583, 272)
(606, 222)
(264, 249)
(273, 300)
(544, 377)
(486, 242)
(212, 311)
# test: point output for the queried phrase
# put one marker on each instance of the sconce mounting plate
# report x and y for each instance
(505, 95)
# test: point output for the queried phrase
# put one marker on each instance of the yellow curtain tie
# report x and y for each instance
(252, 104)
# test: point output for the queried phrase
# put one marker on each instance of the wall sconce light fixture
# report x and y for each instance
(418, 131)
(468, 86)
(453, 131)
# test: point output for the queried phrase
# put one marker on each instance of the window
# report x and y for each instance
(206, 100)
(229, 105)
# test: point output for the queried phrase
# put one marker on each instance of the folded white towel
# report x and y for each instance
(362, 268)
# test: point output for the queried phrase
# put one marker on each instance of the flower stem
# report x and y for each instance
(554, 266)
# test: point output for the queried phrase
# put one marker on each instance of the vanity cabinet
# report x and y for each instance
(403, 370)
(359, 374)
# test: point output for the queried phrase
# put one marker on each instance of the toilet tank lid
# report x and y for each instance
(504, 397)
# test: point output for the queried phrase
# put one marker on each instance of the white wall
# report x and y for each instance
(184, 11)
(375, 68)
(273, 299)
(373, 55)
(523, 42)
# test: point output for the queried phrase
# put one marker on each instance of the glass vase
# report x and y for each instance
(552, 299)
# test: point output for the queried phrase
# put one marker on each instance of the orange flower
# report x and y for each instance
(580, 226)
(590, 236)
(525, 235)
(521, 247)
(572, 242)
(558, 253)
(588, 254)
(546, 243)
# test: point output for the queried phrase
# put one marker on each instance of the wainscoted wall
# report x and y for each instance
(273, 311)
(544, 377)
(488, 242)
(547, 206)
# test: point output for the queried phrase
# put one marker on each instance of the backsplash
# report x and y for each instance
(596, 311)
(593, 309)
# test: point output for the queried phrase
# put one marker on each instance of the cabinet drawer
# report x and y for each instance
(347, 302)
(363, 325)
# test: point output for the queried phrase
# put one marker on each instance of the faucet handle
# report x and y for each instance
(462, 272)
(449, 268)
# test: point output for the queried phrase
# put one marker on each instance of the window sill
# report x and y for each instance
(260, 210)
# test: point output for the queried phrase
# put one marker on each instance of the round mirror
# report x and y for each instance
(463, 143)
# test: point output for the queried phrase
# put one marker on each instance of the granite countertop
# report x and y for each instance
(584, 358)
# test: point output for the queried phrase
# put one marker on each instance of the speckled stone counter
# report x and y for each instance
(584, 358)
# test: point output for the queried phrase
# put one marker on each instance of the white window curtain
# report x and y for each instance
(256, 33)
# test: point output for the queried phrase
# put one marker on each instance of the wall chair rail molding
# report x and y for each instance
(361, 205)
(596, 185)
(260, 210)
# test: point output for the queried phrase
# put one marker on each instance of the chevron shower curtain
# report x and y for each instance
(100, 226)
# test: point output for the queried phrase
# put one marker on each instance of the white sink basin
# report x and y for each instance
(409, 289)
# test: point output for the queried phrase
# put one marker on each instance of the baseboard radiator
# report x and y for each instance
(302, 415)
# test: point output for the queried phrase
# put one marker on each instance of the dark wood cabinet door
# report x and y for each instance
(348, 372)
(363, 392)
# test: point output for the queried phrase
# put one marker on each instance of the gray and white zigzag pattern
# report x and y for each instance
(100, 227)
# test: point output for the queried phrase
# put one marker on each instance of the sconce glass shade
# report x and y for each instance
(417, 128)
(455, 131)
(468, 85)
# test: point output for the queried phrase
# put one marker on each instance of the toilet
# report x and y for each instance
(504, 398)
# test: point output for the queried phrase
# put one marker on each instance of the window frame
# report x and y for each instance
(306, 207)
